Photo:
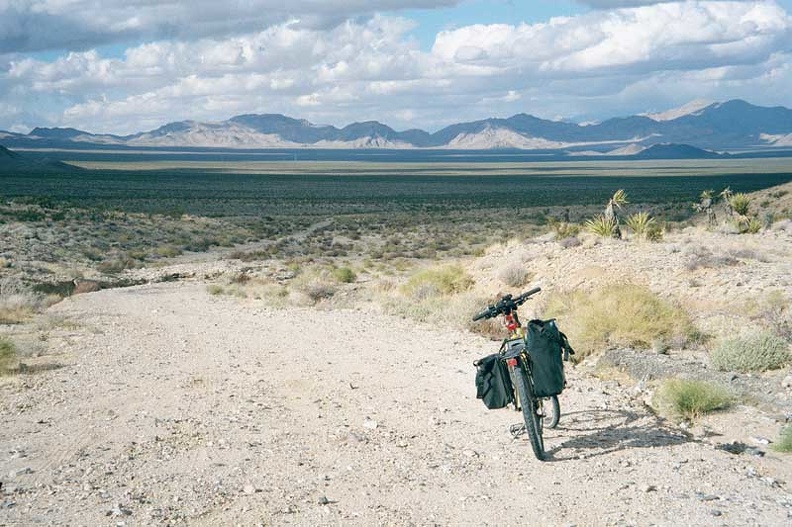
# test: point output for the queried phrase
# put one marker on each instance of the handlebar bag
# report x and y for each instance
(546, 344)
(493, 384)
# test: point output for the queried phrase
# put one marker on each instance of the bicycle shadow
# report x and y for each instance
(591, 433)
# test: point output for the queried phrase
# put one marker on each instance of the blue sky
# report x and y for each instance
(133, 65)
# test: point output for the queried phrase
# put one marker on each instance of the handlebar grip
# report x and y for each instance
(523, 297)
(481, 315)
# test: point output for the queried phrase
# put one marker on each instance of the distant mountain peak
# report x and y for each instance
(690, 108)
(732, 126)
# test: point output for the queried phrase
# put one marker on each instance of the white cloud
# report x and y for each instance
(615, 61)
(36, 25)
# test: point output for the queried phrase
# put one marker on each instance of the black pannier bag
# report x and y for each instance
(546, 345)
(493, 384)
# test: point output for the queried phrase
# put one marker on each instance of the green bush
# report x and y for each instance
(753, 352)
(784, 443)
(618, 315)
(344, 275)
(7, 354)
(690, 399)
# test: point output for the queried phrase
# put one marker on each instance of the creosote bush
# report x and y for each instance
(752, 352)
(690, 399)
(618, 315)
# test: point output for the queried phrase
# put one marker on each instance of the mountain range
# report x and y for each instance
(732, 126)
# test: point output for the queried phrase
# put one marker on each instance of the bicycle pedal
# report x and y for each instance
(517, 430)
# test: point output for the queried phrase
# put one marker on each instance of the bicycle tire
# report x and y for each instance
(552, 411)
(533, 423)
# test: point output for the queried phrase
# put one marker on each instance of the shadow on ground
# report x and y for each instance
(593, 433)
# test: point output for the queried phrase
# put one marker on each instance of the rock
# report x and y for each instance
(648, 488)
(787, 382)
(323, 500)
(370, 424)
(249, 489)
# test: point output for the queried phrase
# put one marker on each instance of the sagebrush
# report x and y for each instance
(690, 399)
(759, 351)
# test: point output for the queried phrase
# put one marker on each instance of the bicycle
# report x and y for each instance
(537, 411)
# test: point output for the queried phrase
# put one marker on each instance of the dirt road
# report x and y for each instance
(167, 405)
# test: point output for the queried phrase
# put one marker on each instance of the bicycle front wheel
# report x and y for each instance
(533, 421)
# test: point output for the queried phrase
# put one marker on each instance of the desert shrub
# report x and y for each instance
(752, 352)
(118, 264)
(572, 241)
(17, 303)
(690, 399)
(601, 226)
(7, 354)
(514, 274)
(344, 275)
(435, 281)
(215, 289)
(618, 315)
(784, 443)
(702, 257)
(774, 312)
(565, 230)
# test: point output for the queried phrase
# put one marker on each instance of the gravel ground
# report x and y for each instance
(164, 405)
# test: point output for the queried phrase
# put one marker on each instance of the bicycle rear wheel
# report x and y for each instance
(533, 421)
(551, 410)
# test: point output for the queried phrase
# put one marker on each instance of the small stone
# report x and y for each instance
(648, 488)
(249, 489)
(370, 424)
(716, 512)
(324, 501)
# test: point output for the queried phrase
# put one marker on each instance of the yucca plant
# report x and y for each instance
(601, 226)
(641, 224)
(739, 203)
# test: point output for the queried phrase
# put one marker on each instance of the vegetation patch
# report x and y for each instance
(7, 355)
(754, 352)
(690, 399)
(784, 443)
(437, 281)
(618, 315)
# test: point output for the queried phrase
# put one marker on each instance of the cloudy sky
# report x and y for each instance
(122, 66)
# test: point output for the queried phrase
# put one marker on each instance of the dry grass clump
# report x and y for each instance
(690, 399)
(435, 294)
(514, 274)
(7, 355)
(17, 303)
(436, 281)
(618, 315)
(703, 257)
(759, 351)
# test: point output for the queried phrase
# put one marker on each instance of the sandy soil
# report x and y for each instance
(165, 405)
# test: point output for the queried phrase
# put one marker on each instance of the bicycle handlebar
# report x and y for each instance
(506, 304)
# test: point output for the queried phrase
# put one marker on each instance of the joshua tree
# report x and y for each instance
(705, 204)
(619, 198)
